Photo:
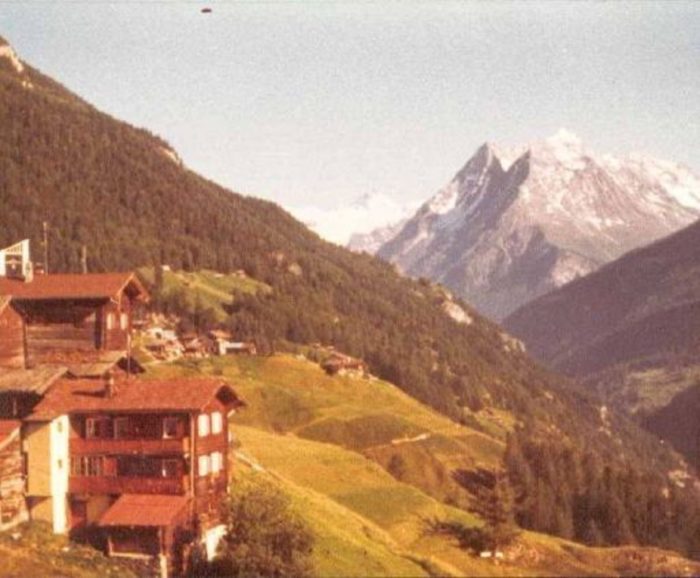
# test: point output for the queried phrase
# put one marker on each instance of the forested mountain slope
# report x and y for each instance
(645, 305)
(116, 189)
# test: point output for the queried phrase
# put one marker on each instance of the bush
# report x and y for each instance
(264, 537)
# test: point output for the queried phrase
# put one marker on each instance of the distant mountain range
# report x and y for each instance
(516, 223)
(354, 224)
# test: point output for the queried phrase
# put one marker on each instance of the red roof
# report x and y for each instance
(73, 286)
(4, 302)
(7, 428)
(69, 396)
(150, 510)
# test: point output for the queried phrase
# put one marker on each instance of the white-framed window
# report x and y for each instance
(216, 422)
(216, 460)
(87, 466)
(203, 466)
(110, 321)
(123, 321)
(169, 427)
(203, 425)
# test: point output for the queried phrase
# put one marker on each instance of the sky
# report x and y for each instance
(314, 104)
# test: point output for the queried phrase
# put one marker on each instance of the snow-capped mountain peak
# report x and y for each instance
(516, 222)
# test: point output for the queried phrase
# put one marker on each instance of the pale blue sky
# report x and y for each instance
(316, 102)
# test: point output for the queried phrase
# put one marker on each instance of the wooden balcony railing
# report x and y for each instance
(110, 446)
(124, 485)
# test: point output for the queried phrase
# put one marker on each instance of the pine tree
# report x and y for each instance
(495, 504)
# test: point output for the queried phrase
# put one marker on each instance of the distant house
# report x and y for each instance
(339, 363)
(222, 344)
(164, 349)
(194, 346)
(144, 463)
(157, 332)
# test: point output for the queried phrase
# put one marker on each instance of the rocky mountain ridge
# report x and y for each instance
(516, 223)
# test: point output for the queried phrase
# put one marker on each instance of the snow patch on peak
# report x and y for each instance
(6, 51)
(676, 179)
(445, 199)
(507, 155)
(564, 138)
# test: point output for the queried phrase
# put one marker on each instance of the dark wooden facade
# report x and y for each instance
(60, 330)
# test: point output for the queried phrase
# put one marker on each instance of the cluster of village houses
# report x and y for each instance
(164, 343)
(88, 442)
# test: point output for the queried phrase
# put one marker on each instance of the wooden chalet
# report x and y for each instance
(221, 343)
(144, 462)
(339, 363)
(66, 313)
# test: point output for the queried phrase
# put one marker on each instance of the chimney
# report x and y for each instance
(110, 389)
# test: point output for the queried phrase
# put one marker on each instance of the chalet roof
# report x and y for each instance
(70, 396)
(7, 428)
(73, 286)
(36, 380)
(151, 510)
(105, 362)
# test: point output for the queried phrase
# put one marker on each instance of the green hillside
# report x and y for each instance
(370, 517)
(190, 291)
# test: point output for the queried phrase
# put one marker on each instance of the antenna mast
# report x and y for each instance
(46, 247)
(83, 259)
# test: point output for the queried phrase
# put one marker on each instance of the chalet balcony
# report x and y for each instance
(110, 446)
(127, 485)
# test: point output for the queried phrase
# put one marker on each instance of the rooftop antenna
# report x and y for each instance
(46, 247)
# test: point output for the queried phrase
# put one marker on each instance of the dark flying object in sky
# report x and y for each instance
(206, 10)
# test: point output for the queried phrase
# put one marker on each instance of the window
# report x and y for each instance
(216, 460)
(203, 425)
(139, 467)
(170, 427)
(98, 427)
(60, 463)
(123, 321)
(59, 426)
(110, 321)
(170, 468)
(203, 466)
(87, 466)
(121, 427)
(216, 423)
